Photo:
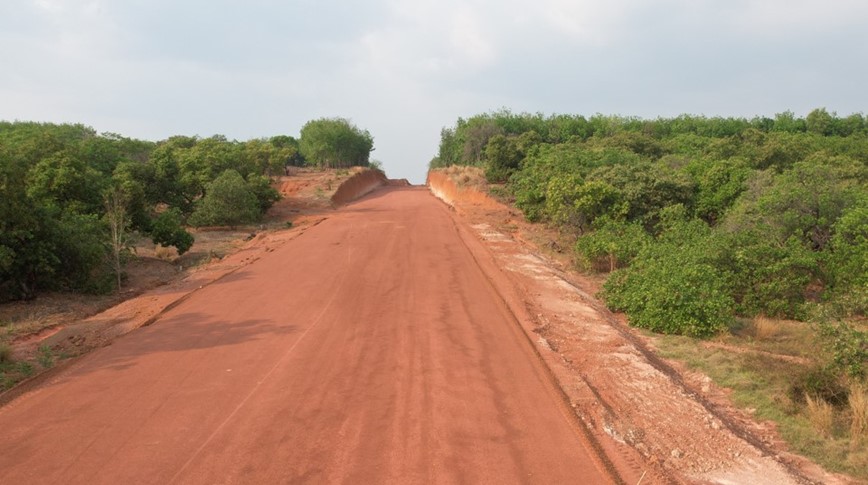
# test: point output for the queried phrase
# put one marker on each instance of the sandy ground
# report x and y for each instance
(372, 347)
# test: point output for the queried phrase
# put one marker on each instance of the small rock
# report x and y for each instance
(676, 453)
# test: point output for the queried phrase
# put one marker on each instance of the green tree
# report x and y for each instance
(260, 187)
(167, 230)
(118, 221)
(228, 201)
(26, 251)
(819, 121)
(335, 142)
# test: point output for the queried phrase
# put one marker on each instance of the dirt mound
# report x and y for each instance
(359, 185)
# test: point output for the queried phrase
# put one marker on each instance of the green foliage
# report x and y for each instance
(647, 188)
(502, 158)
(672, 286)
(54, 222)
(847, 345)
(45, 357)
(228, 201)
(80, 242)
(167, 230)
(575, 205)
(778, 202)
(771, 278)
(265, 194)
(613, 244)
(848, 259)
(718, 186)
(335, 142)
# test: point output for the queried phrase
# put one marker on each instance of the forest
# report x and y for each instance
(70, 198)
(696, 220)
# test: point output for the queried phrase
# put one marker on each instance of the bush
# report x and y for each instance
(847, 346)
(167, 230)
(669, 295)
(821, 382)
(228, 201)
(266, 195)
(673, 285)
(613, 244)
(772, 278)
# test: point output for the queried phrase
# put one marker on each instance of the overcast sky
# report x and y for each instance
(403, 69)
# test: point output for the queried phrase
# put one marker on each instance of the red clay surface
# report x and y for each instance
(370, 349)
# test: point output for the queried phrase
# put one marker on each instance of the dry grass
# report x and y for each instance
(465, 176)
(766, 328)
(858, 400)
(169, 254)
(820, 414)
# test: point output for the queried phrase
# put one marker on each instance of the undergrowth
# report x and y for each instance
(819, 411)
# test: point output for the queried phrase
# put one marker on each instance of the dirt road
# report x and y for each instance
(372, 349)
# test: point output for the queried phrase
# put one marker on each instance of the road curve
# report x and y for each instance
(372, 349)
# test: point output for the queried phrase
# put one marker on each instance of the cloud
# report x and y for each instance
(405, 69)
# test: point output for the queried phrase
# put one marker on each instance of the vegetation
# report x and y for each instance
(335, 143)
(726, 216)
(751, 231)
(71, 199)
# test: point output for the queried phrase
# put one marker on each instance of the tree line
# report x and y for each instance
(698, 220)
(70, 197)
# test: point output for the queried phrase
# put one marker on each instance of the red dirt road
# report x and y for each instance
(371, 349)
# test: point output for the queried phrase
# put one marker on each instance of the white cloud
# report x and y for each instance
(800, 17)
(403, 69)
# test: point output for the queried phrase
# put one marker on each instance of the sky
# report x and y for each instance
(404, 69)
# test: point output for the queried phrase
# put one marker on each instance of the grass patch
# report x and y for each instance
(812, 413)
(45, 357)
(858, 401)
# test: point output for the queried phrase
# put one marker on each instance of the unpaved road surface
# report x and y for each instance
(371, 349)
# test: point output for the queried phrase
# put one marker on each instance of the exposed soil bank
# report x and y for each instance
(359, 185)
(444, 188)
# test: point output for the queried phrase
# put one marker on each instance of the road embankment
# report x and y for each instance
(359, 185)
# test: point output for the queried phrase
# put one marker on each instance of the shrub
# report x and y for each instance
(820, 382)
(672, 286)
(671, 296)
(167, 230)
(847, 346)
(613, 244)
(228, 201)
(265, 194)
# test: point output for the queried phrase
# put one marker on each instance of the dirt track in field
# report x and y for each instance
(373, 348)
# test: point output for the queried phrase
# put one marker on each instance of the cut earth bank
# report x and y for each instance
(652, 418)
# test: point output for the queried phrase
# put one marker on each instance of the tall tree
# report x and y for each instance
(335, 142)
